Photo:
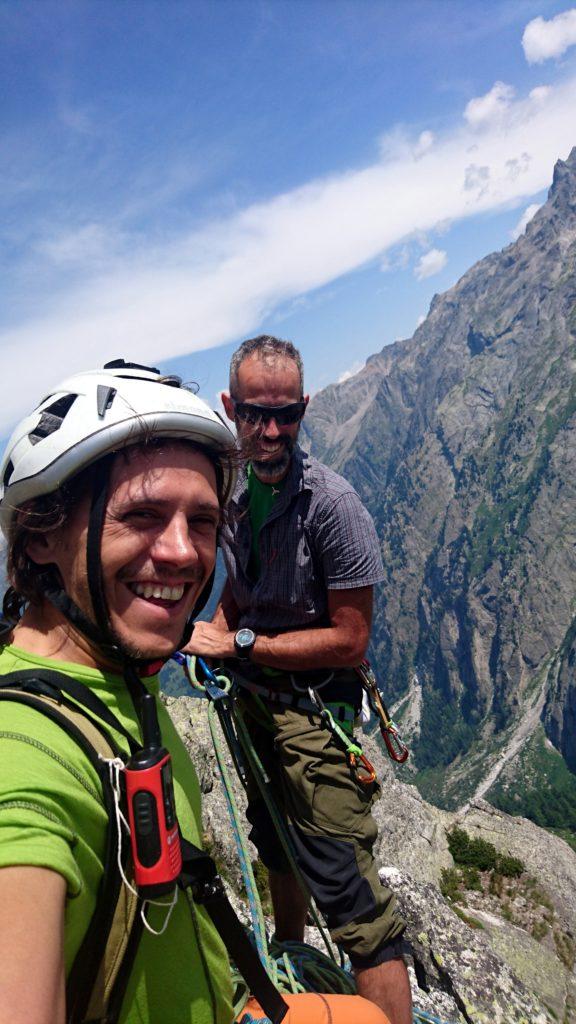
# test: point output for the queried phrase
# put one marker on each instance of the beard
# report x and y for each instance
(270, 471)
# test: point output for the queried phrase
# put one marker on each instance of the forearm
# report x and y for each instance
(341, 644)
(308, 649)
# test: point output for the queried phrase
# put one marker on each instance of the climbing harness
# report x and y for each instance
(397, 750)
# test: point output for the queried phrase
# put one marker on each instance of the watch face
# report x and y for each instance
(245, 637)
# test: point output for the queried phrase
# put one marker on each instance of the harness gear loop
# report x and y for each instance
(396, 748)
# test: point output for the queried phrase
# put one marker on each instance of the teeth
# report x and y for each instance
(148, 590)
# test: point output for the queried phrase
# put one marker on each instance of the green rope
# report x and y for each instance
(293, 967)
(263, 782)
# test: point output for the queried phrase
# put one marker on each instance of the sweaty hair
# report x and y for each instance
(267, 348)
(28, 580)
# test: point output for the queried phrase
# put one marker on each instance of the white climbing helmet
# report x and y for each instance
(94, 413)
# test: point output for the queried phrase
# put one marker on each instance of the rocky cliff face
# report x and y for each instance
(462, 442)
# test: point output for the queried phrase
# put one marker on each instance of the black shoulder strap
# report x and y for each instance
(58, 685)
(97, 980)
(200, 874)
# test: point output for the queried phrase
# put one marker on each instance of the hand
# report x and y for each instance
(209, 640)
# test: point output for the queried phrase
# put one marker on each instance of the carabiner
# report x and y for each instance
(365, 771)
(396, 748)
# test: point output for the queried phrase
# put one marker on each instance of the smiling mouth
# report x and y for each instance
(159, 592)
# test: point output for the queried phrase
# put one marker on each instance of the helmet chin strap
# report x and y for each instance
(100, 632)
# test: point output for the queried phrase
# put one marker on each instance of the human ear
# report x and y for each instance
(228, 403)
(42, 547)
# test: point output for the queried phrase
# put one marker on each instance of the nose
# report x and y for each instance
(175, 544)
(271, 430)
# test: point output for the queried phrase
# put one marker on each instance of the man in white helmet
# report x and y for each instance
(112, 491)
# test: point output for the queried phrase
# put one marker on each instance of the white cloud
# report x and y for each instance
(397, 259)
(351, 372)
(425, 142)
(90, 244)
(420, 320)
(540, 93)
(545, 39)
(491, 107)
(432, 262)
(202, 288)
(524, 220)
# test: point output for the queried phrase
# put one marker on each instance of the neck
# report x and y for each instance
(267, 480)
(45, 632)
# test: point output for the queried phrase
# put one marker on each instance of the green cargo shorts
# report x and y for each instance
(328, 815)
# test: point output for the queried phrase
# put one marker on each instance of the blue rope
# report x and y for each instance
(427, 1018)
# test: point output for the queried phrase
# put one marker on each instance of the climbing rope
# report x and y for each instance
(421, 1017)
(293, 967)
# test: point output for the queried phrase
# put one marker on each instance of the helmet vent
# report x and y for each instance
(104, 398)
(52, 418)
(8, 473)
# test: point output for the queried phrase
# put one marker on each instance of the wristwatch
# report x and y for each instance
(244, 642)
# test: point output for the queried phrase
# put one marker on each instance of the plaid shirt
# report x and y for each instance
(317, 537)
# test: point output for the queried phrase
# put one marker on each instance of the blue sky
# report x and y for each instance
(177, 176)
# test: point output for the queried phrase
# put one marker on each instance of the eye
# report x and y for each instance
(205, 523)
(141, 516)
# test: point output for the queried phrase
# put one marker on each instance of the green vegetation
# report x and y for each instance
(507, 912)
(537, 897)
(261, 879)
(566, 835)
(566, 949)
(444, 732)
(480, 868)
(501, 521)
(471, 879)
(479, 855)
(472, 922)
(540, 930)
(541, 788)
(450, 884)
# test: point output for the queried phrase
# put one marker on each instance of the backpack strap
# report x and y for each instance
(200, 875)
(97, 980)
(99, 975)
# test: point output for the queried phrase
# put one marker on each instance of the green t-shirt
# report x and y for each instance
(261, 498)
(52, 815)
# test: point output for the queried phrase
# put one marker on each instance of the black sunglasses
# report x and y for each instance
(284, 415)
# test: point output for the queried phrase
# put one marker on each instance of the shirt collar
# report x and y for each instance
(297, 479)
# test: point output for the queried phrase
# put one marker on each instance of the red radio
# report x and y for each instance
(154, 829)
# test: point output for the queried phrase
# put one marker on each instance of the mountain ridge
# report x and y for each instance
(462, 442)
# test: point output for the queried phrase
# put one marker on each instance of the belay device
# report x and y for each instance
(154, 832)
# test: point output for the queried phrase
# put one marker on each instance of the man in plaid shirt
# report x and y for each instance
(302, 558)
